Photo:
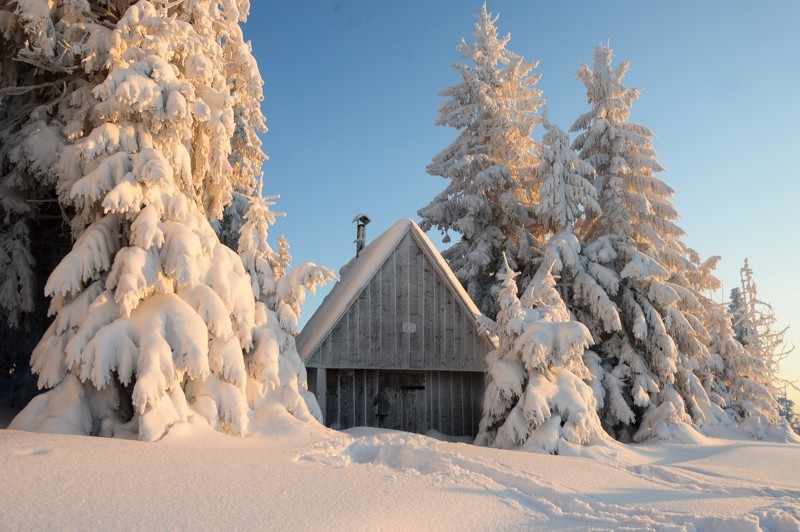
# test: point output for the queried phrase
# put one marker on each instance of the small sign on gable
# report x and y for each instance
(409, 327)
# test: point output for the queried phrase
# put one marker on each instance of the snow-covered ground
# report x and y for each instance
(307, 477)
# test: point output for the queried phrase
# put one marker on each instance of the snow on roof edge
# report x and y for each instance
(358, 273)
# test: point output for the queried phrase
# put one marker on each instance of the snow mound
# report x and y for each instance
(395, 450)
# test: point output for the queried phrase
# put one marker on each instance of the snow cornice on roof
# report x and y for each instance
(357, 274)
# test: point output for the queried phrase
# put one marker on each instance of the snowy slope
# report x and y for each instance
(307, 477)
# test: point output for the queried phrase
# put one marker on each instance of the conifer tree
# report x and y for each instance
(566, 196)
(37, 71)
(736, 309)
(787, 410)
(757, 329)
(276, 372)
(566, 190)
(733, 381)
(156, 320)
(648, 363)
(736, 381)
(489, 196)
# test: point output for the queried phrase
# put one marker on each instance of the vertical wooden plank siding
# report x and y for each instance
(388, 332)
(311, 377)
(351, 359)
(466, 385)
(416, 282)
(370, 392)
(344, 399)
(459, 423)
(401, 281)
(338, 411)
(363, 329)
(359, 417)
(456, 401)
(445, 414)
(331, 404)
(478, 387)
(436, 413)
(338, 347)
(325, 355)
(441, 323)
(471, 345)
(450, 332)
(447, 403)
(451, 401)
(374, 347)
(458, 340)
(432, 356)
(429, 314)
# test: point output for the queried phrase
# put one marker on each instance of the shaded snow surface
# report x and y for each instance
(306, 477)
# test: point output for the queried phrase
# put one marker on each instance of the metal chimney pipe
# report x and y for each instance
(361, 233)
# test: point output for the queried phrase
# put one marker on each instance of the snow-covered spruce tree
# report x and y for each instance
(566, 191)
(736, 309)
(276, 372)
(487, 200)
(734, 381)
(757, 329)
(566, 196)
(746, 385)
(649, 364)
(536, 397)
(38, 70)
(153, 315)
(787, 410)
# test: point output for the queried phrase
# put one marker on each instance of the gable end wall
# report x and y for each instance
(407, 289)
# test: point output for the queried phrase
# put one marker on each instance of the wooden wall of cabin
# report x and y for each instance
(407, 317)
(414, 401)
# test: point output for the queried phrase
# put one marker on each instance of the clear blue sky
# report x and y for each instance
(352, 93)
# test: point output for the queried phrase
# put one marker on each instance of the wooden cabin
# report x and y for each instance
(396, 343)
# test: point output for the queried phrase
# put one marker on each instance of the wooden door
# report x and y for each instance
(412, 406)
(405, 402)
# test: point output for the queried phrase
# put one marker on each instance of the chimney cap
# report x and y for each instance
(361, 218)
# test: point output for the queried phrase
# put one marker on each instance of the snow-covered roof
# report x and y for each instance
(356, 274)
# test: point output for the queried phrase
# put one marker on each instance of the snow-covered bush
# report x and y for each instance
(536, 396)
(157, 321)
